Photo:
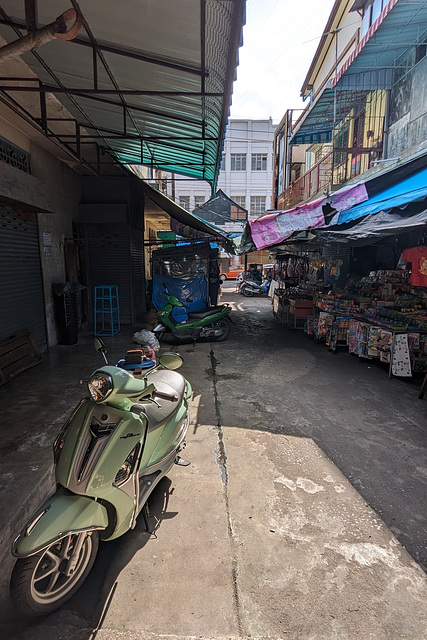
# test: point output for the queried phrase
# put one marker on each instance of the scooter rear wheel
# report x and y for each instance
(39, 583)
(225, 330)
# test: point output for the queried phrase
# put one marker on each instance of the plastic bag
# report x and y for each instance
(146, 339)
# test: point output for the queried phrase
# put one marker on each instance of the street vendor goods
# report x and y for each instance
(417, 257)
(381, 316)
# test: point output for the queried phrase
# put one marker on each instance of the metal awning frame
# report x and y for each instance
(88, 142)
(365, 70)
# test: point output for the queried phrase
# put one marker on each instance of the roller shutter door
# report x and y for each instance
(21, 288)
(115, 256)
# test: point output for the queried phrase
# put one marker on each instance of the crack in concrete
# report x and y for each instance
(221, 457)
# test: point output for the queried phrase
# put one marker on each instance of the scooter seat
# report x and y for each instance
(167, 383)
(199, 314)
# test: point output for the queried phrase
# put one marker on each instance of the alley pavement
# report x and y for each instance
(302, 515)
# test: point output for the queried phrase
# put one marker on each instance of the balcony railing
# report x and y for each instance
(333, 170)
(312, 181)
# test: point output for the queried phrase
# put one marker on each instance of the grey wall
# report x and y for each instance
(63, 187)
(115, 190)
(408, 112)
(54, 191)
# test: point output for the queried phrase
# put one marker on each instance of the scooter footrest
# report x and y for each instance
(181, 462)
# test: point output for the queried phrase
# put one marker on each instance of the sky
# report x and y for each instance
(280, 39)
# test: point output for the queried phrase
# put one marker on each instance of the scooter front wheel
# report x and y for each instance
(40, 583)
(248, 292)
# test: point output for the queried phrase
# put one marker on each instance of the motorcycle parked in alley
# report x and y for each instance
(185, 325)
(251, 288)
(111, 453)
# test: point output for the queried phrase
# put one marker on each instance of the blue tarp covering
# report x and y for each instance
(186, 288)
(397, 195)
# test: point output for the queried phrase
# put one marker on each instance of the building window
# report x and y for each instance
(237, 214)
(198, 201)
(257, 205)
(222, 163)
(259, 162)
(371, 12)
(240, 200)
(238, 162)
(184, 202)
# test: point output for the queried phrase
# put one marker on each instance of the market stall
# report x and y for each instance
(378, 316)
(381, 316)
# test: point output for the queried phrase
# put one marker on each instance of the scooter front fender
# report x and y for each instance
(62, 514)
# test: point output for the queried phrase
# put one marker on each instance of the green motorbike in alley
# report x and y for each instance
(186, 326)
(109, 456)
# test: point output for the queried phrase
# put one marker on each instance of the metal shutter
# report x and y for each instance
(139, 293)
(108, 251)
(21, 288)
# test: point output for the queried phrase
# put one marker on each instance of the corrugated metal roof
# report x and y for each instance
(317, 123)
(149, 81)
(401, 25)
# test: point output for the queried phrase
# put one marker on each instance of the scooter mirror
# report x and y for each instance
(99, 345)
(171, 360)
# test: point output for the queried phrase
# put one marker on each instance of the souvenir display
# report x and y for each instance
(380, 316)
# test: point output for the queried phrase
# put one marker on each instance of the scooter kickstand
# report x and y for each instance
(146, 515)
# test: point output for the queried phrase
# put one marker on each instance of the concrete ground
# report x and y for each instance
(302, 515)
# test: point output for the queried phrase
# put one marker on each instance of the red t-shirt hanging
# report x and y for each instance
(418, 257)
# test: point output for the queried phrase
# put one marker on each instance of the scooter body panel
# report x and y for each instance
(61, 514)
(100, 439)
(165, 314)
(110, 455)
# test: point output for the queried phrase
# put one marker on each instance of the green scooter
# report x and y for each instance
(210, 322)
(110, 455)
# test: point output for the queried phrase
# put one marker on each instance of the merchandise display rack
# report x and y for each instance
(381, 317)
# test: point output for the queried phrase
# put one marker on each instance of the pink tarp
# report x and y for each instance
(279, 225)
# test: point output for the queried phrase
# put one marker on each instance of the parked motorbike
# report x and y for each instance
(250, 288)
(110, 455)
(185, 325)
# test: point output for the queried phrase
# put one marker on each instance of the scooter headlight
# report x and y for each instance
(100, 386)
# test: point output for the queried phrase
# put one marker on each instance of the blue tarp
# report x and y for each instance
(186, 288)
(399, 194)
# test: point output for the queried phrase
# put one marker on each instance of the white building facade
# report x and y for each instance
(246, 174)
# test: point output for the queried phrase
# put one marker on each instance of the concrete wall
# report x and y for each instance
(64, 187)
(121, 191)
(53, 188)
(408, 112)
